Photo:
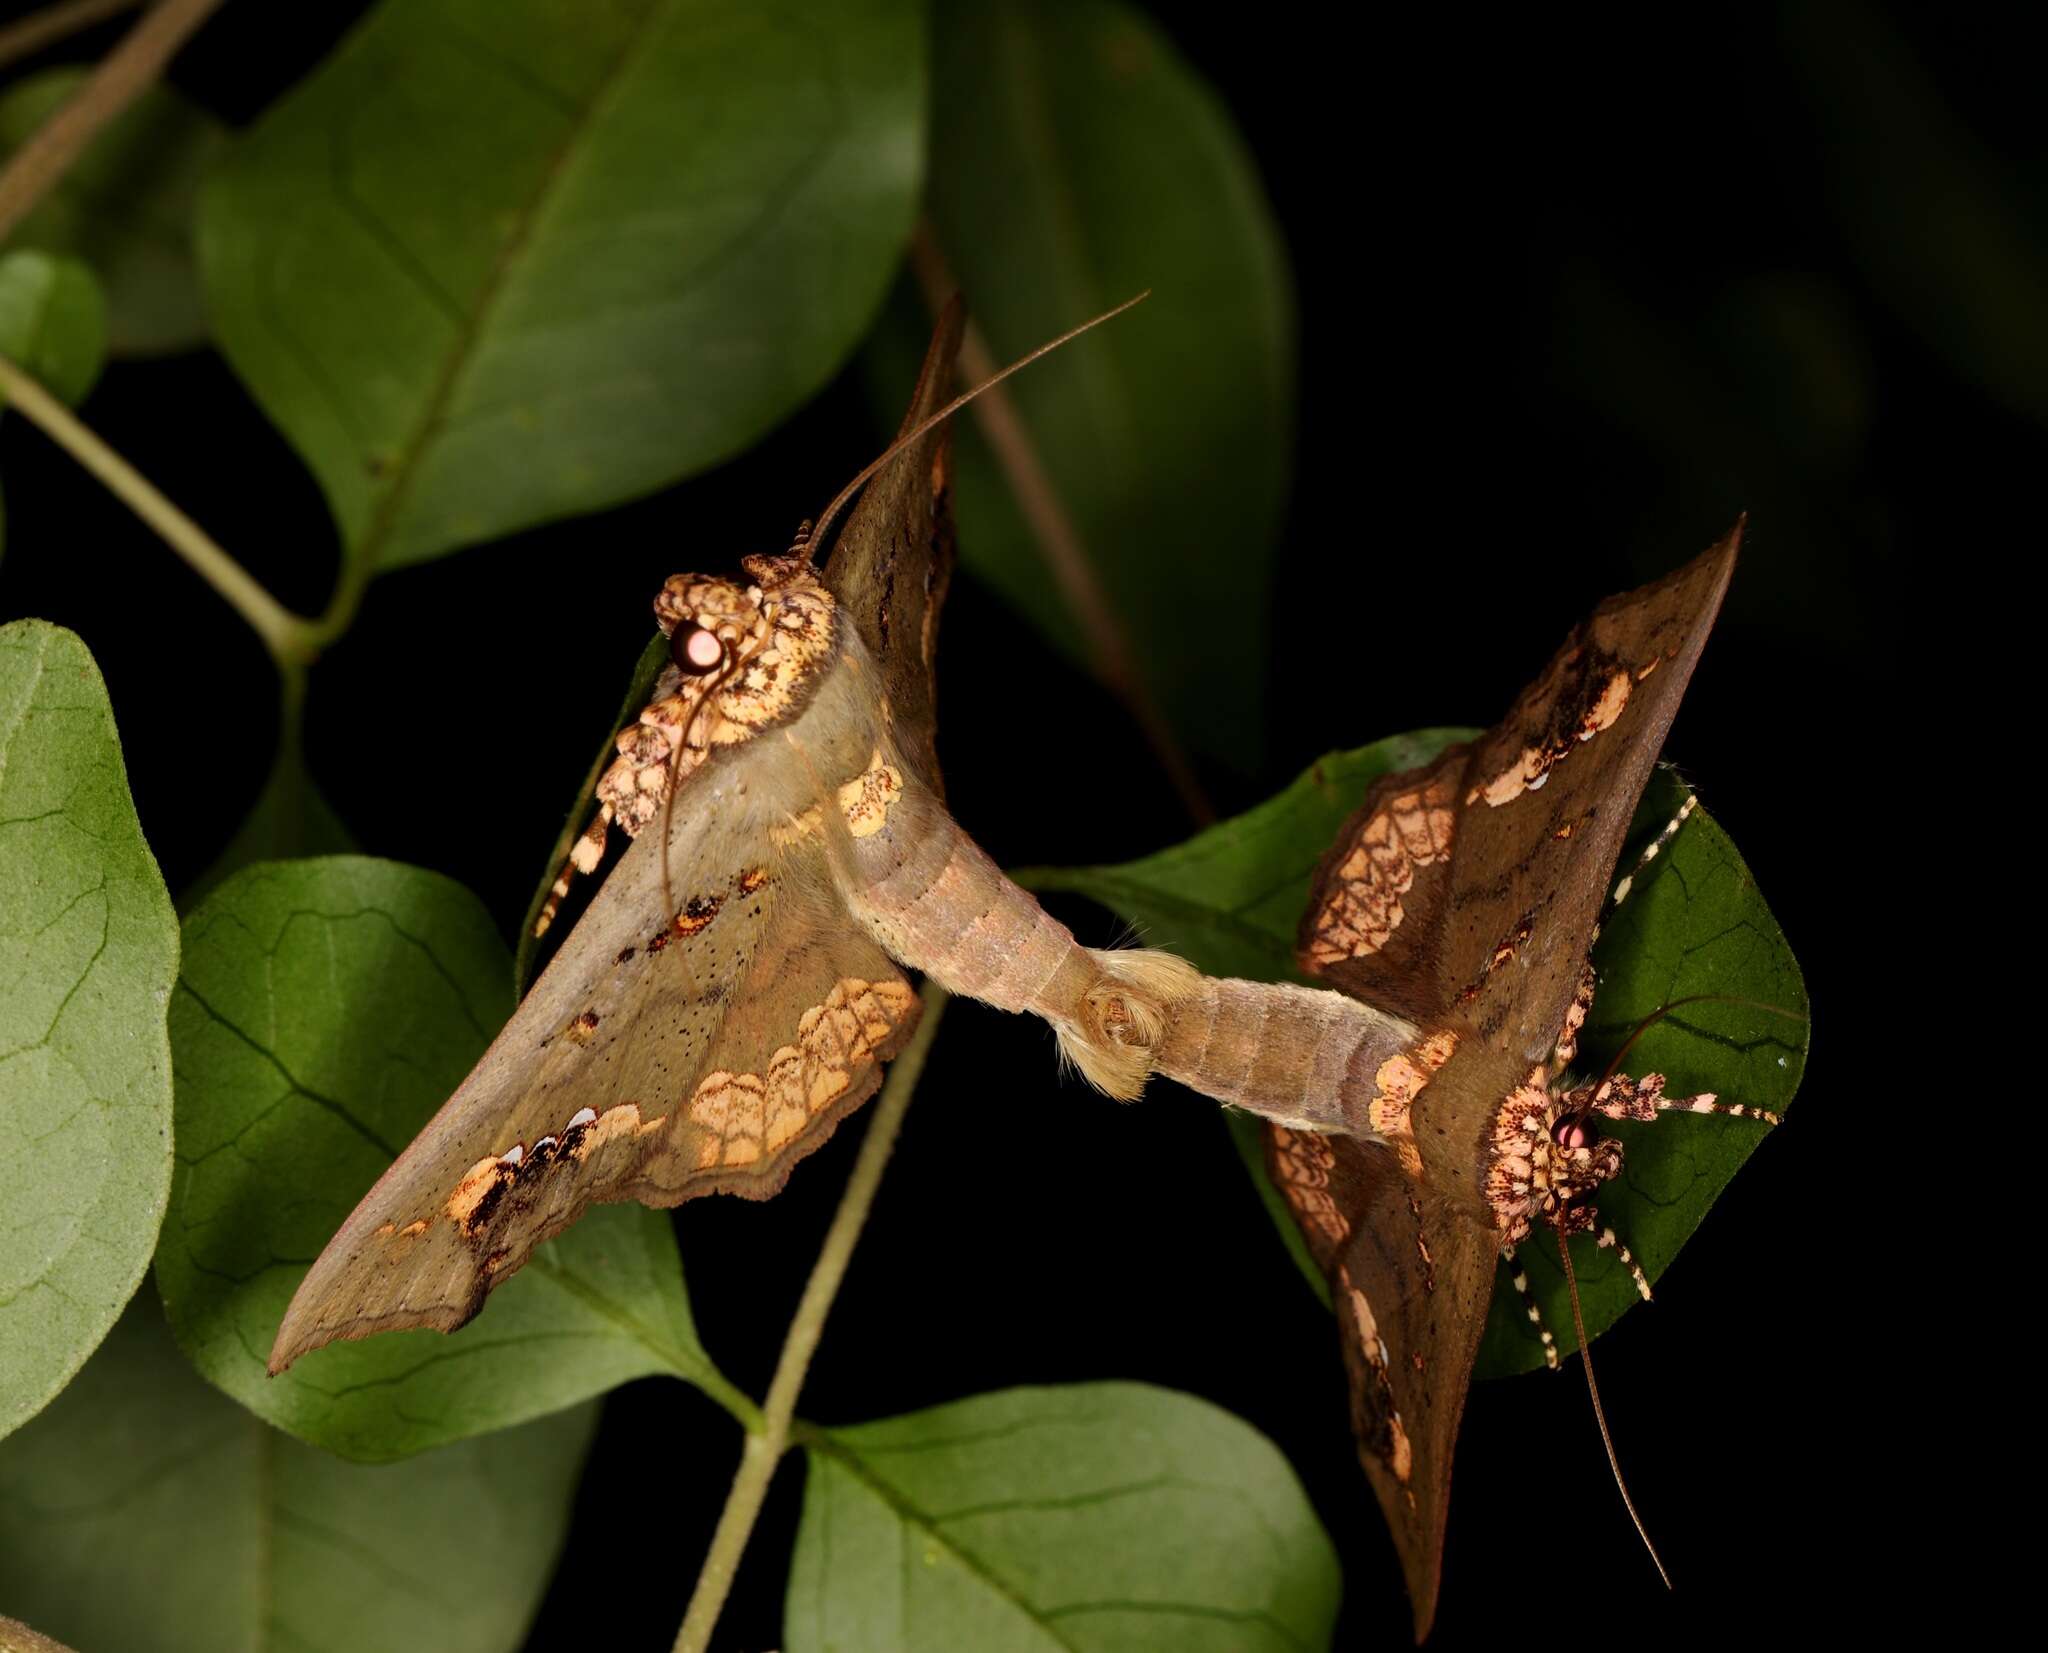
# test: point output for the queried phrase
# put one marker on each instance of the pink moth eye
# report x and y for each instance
(695, 650)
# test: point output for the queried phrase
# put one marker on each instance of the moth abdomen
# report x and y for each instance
(936, 902)
(1300, 1056)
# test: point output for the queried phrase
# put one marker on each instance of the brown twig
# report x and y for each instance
(54, 23)
(122, 75)
(1059, 541)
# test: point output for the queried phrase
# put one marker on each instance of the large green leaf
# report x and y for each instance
(1230, 897)
(88, 951)
(53, 321)
(144, 1513)
(502, 261)
(1097, 1516)
(325, 1009)
(1077, 159)
(125, 206)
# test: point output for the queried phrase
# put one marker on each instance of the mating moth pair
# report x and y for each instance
(738, 984)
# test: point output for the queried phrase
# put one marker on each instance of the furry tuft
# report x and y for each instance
(1126, 1015)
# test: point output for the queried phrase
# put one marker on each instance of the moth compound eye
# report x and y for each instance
(695, 650)
(1571, 1131)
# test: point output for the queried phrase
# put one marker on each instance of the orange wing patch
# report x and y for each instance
(482, 1188)
(748, 1115)
(865, 799)
(1398, 1082)
(1603, 690)
(1377, 1421)
(1361, 915)
(1302, 1165)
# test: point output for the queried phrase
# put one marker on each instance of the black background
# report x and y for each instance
(1572, 295)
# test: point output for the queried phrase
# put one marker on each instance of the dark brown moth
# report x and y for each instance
(733, 992)
(1420, 1121)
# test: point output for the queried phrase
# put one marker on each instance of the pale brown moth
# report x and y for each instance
(1421, 1135)
(733, 991)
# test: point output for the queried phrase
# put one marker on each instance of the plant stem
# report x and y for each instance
(767, 1442)
(55, 23)
(289, 638)
(121, 76)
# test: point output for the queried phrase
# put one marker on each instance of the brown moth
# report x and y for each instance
(733, 992)
(1422, 1134)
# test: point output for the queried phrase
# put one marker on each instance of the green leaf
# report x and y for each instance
(53, 321)
(1096, 1516)
(145, 1513)
(526, 960)
(1693, 922)
(126, 206)
(489, 267)
(88, 951)
(1229, 900)
(325, 1010)
(1078, 159)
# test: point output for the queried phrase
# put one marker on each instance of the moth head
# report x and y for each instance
(747, 653)
(1573, 1160)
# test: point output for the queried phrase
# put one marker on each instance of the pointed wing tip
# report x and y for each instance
(290, 1344)
(1425, 1580)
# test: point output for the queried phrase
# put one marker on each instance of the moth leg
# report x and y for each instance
(1530, 1305)
(1567, 1046)
(1620, 1097)
(1607, 1240)
(628, 793)
(1652, 850)
(584, 856)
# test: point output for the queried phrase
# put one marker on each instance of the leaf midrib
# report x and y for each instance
(369, 551)
(825, 1444)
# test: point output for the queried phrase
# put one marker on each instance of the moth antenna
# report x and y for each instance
(816, 537)
(1664, 1010)
(1571, 1280)
(1530, 1305)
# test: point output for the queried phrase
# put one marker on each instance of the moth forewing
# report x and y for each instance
(1465, 895)
(662, 1053)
